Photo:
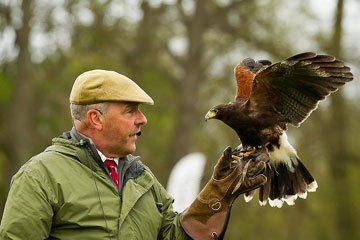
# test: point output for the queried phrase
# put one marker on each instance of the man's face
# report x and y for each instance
(122, 122)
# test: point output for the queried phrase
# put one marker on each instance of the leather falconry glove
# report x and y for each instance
(207, 217)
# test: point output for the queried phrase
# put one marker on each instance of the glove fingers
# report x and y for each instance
(257, 181)
(237, 150)
(227, 153)
(264, 157)
(222, 168)
(255, 170)
(251, 184)
(225, 158)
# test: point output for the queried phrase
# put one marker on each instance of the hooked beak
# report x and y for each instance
(210, 114)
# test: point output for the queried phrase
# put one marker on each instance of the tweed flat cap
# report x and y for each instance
(106, 86)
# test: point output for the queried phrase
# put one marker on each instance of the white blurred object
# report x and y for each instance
(184, 180)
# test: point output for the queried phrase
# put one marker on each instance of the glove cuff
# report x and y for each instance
(207, 216)
(201, 222)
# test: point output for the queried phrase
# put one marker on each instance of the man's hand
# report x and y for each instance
(206, 217)
(248, 168)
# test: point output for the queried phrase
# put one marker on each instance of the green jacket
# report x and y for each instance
(66, 192)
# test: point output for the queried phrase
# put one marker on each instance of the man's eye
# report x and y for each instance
(132, 110)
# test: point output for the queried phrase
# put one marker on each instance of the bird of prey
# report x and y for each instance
(270, 96)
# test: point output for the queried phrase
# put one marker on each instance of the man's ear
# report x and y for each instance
(95, 119)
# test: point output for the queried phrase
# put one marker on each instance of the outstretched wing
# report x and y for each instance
(295, 86)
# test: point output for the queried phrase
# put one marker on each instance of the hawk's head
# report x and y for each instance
(220, 112)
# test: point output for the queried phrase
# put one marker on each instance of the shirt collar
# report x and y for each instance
(103, 157)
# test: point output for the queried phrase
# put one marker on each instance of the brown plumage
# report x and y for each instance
(270, 96)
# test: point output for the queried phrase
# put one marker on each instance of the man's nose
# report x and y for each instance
(141, 119)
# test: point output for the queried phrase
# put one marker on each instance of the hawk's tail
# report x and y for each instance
(287, 177)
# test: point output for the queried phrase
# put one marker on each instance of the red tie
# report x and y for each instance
(111, 167)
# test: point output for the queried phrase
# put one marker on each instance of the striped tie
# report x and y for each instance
(113, 174)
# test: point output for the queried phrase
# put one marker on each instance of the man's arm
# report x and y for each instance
(28, 213)
(170, 228)
(207, 217)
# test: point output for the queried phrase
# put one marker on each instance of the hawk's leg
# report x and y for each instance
(239, 152)
(249, 151)
(244, 153)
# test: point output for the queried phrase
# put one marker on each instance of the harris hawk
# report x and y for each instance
(270, 96)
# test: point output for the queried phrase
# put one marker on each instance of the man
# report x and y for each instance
(87, 185)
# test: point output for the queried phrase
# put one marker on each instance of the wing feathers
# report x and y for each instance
(322, 58)
(302, 56)
(336, 63)
(336, 70)
(264, 62)
(298, 84)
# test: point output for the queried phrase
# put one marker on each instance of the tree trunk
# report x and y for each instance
(340, 155)
(188, 86)
(20, 124)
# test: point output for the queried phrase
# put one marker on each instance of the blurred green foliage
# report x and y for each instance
(182, 53)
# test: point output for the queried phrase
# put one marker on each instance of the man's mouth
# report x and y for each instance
(138, 133)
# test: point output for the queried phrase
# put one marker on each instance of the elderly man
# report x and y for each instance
(87, 185)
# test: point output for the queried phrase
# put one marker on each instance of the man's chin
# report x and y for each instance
(124, 152)
(131, 150)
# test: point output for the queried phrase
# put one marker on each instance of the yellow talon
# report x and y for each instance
(250, 152)
(236, 157)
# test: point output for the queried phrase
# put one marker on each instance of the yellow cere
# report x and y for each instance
(211, 114)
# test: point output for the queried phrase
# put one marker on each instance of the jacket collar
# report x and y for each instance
(83, 149)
